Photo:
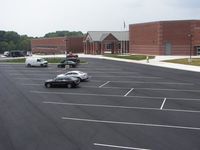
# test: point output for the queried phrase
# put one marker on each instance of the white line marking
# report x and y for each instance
(39, 74)
(163, 103)
(119, 147)
(141, 82)
(104, 84)
(176, 90)
(31, 84)
(131, 123)
(137, 82)
(107, 95)
(97, 105)
(128, 77)
(121, 107)
(38, 79)
(108, 87)
(129, 92)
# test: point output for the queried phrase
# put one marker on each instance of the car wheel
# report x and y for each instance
(69, 85)
(28, 65)
(41, 65)
(79, 80)
(48, 85)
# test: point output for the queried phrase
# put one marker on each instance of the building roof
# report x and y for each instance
(101, 35)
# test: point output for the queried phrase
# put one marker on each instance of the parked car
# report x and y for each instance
(35, 61)
(78, 74)
(62, 81)
(73, 57)
(6, 53)
(63, 63)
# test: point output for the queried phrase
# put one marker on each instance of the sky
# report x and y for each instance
(38, 17)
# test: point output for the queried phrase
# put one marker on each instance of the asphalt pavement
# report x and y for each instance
(122, 106)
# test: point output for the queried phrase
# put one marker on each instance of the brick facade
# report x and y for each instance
(165, 38)
(57, 45)
(100, 42)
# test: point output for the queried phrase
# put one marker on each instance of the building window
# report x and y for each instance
(109, 46)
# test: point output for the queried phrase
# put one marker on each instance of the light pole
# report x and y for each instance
(190, 36)
(66, 47)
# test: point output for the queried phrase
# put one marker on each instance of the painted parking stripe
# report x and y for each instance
(109, 95)
(104, 84)
(108, 87)
(101, 106)
(130, 123)
(118, 147)
(129, 92)
(127, 77)
(121, 107)
(163, 103)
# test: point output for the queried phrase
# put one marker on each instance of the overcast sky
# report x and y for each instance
(38, 17)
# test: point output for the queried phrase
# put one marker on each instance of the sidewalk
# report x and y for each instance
(158, 61)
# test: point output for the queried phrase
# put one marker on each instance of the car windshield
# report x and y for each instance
(62, 61)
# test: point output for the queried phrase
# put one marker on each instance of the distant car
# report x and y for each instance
(62, 81)
(36, 61)
(63, 63)
(78, 74)
(6, 53)
(74, 59)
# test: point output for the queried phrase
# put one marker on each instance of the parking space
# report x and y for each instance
(122, 106)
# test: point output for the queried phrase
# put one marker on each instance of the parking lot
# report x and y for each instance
(122, 106)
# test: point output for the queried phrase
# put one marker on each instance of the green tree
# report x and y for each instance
(63, 33)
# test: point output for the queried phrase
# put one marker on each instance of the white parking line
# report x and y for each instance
(137, 82)
(129, 92)
(109, 95)
(163, 103)
(141, 82)
(97, 105)
(131, 123)
(118, 147)
(108, 87)
(38, 79)
(128, 77)
(38, 74)
(104, 84)
(122, 107)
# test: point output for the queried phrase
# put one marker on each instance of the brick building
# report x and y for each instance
(100, 42)
(57, 45)
(165, 38)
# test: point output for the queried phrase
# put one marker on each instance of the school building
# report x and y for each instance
(100, 42)
(165, 38)
(57, 45)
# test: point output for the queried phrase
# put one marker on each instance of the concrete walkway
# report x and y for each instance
(158, 61)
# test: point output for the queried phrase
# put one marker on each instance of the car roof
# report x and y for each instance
(75, 71)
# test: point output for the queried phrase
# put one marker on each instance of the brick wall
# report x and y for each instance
(57, 45)
(144, 38)
(151, 38)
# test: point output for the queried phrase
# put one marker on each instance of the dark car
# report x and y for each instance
(63, 63)
(62, 81)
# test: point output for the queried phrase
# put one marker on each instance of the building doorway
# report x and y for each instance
(198, 51)
(168, 48)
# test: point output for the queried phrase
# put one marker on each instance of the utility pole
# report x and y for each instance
(190, 38)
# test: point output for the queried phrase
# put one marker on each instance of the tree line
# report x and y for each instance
(10, 40)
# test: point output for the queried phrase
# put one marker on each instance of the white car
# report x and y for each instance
(35, 61)
(78, 74)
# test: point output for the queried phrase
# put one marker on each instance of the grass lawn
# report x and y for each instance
(131, 57)
(195, 61)
(50, 60)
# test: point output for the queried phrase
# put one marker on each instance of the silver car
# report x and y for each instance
(78, 74)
